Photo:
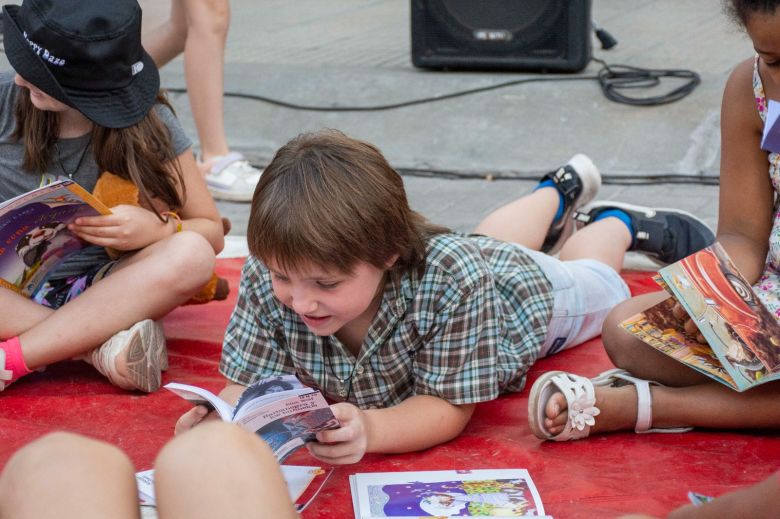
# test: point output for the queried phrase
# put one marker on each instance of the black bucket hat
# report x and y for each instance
(86, 54)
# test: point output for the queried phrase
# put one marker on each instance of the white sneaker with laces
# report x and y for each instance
(145, 355)
(231, 177)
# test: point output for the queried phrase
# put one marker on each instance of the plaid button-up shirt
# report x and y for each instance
(465, 328)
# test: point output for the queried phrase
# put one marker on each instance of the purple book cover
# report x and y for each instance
(34, 235)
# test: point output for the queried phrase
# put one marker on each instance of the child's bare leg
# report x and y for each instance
(204, 55)
(220, 470)
(606, 241)
(524, 221)
(152, 283)
(166, 41)
(66, 476)
(26, 313)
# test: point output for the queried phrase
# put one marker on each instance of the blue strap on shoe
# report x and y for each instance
(620, 215)
(561, 200)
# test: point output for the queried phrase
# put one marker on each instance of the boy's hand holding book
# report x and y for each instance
(346, 444)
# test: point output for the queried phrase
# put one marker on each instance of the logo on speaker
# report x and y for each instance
(492, 35)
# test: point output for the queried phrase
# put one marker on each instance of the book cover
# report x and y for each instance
(470, 493)
(281, 410)
(743, 337)
(34, 237)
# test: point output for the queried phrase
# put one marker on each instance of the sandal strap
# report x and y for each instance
(644, 406)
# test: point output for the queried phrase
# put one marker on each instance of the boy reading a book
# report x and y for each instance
(403, 323)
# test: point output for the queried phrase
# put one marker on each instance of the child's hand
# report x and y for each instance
(193, 417)
(346, 444)
(127, 228)
(679, 313)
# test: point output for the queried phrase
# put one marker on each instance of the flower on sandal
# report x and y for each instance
(582, 411)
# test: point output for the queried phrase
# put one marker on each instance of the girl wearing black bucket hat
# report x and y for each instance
(85, 99)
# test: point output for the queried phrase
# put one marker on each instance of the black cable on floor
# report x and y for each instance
(613, 79)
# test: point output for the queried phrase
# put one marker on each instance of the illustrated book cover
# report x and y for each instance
(34, 235)
(742, 335)
(281, 410)
(445, 493)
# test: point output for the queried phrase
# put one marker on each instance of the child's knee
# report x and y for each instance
(51, 457)
(617, 342)
(188, 261)
(209, 444)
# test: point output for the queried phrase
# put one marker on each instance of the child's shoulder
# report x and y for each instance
(455, 256)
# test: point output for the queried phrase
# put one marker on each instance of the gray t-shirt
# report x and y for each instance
(15, 181)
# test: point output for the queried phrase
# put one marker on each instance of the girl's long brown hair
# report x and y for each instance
(331, 200)
(141, 153)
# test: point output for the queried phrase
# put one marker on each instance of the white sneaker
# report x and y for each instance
(231, 177)
(143, 347)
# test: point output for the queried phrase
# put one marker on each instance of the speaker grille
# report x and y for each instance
(521, 34)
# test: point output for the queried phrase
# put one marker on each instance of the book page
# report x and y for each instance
(740, 330)
(303, 484)
(199, 396)
(657, 327)
(267, 390)
(499, 492)
(288, 423)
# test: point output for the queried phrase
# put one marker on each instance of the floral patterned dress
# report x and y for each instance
(768, 286)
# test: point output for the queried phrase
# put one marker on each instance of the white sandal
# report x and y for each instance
(581, 401)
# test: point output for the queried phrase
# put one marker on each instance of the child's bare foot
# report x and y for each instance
(617, 407)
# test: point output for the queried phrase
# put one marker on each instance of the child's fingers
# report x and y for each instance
(190, 419)
(97, 221)
(338, 454)
(691, 327)
(342, 434)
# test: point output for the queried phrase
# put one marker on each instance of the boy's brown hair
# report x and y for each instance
(331, 200)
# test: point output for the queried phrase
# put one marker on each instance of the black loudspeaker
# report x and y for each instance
(533, 35)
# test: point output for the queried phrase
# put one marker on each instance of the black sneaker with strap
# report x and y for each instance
(578, 182)
(664, 235)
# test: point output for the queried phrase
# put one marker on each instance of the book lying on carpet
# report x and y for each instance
(303, 484)
(281, 410)
(34, 235)
(470, 493)
(743, 337)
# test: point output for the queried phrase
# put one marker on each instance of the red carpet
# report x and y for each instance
(600, 477)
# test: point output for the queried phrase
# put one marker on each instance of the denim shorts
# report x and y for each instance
(584, 292)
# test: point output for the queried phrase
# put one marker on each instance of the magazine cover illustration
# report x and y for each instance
(34, 233)
(478, 493)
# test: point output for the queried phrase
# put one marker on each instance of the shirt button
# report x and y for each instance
(359, 370)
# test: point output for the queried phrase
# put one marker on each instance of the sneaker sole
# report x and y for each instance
(591, 182)
(641, 208)
(144, 356)
(227, 195)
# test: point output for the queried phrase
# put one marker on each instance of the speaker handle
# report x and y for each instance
(607, 40)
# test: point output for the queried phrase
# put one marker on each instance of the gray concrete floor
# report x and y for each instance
(356, 53)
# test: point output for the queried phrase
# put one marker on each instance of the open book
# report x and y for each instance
(303, 484)
(281, 410)
(492, 492)
(34, 235)
(743, 337)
